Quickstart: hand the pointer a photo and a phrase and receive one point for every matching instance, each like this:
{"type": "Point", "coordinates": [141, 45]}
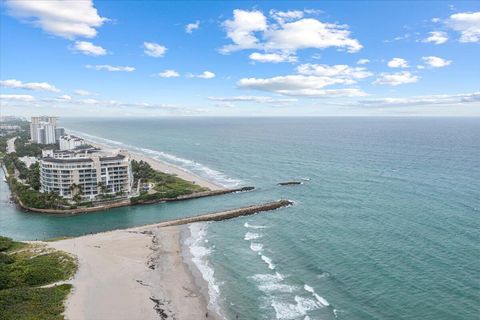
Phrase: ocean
{"type": "Point", "coordinates": [385, 224]}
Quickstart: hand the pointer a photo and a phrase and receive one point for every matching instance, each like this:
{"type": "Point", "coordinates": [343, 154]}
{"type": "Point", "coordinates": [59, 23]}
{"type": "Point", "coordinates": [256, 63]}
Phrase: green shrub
{"type": "Point", "coordinates": [5, 243]}
{"type": "Point", "coordinates": [33, 303]}
{"type": "Point", "coordinates": [5, 258]}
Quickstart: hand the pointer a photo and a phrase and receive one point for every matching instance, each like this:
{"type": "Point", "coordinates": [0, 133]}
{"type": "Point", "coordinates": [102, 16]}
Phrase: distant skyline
{"type": "Point", "coordinates": [328, 58]}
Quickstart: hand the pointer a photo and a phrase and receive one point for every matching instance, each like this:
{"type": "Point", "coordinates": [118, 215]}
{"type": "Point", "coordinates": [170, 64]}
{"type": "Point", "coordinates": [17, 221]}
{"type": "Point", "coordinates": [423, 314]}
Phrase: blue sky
{"type": "Point", "coordinates": [134, 58]}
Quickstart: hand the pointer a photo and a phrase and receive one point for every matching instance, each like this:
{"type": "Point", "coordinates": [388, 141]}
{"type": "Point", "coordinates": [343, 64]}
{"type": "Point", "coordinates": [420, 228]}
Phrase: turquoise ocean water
{"type": "Point", "coordinates": [385, 226]}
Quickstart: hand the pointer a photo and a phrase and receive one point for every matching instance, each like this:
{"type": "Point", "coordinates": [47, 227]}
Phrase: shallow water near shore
{"type": "Point", "coordinates": [384, 226]}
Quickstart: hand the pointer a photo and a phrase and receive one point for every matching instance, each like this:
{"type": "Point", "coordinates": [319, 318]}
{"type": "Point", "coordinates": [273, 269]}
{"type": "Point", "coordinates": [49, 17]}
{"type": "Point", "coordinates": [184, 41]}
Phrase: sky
{"type": "Point", "coordinates": [226, 58]}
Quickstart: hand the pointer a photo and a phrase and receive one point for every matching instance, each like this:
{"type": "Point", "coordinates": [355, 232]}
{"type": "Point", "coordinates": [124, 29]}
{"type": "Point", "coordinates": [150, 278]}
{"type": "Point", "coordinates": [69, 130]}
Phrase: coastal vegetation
{"type": "Point", "coordinates": [165, 186]}
{"type": "Point", "coordinates": [28, 273]}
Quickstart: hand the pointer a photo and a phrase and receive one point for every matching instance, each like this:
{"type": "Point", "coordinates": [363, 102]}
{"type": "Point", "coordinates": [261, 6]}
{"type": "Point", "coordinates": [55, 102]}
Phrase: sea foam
{"type": "Point", "coordinates": [200, 254]}
{"type": "Point", "coordinates": [252, 236]}
{"type": "Point", "coordinates": [320, 299]}
{"type": "Point", "coordinates": [251, 226]}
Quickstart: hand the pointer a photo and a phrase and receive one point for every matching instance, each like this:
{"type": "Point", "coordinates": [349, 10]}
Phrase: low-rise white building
{"type": "Point", "coordinates": [93, 173]}
{"type": "Point", "coordinates": [69, 142]}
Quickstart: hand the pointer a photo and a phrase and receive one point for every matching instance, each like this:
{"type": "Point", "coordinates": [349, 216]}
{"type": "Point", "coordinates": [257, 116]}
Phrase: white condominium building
{"type": "Point", "coordinates": [44, 130]}
{"type": "Point", "coordinates": [69, 142]}
{"type": "Point", "coordinates": [95, 173]}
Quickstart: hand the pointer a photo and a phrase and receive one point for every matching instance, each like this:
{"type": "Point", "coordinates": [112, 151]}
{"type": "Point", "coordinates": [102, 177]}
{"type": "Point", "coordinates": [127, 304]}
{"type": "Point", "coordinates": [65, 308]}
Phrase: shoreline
{"type": "Point", "coordinates": [146, 272]}
{"type": "Point", "coordinates": [162, 166]}
{"type": "Point", "coordinates": [148, 276]}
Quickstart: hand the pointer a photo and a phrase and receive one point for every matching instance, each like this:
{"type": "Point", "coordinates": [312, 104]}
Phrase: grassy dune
{"type": "Point", "coordinates": [28, 273]}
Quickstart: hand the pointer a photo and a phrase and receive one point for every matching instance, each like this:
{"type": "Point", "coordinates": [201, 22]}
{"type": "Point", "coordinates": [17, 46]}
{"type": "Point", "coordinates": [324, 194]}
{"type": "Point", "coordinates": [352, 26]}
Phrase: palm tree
{"type": "Point", "coordinates": [76, 191]}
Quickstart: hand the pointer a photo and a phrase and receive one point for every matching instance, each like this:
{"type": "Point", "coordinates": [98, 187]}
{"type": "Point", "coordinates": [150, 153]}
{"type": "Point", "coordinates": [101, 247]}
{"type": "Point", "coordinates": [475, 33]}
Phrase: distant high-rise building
{"type": "Point", "coordinates": [59, 132]}
{"type": "Point", "coordinates": [44, 130]}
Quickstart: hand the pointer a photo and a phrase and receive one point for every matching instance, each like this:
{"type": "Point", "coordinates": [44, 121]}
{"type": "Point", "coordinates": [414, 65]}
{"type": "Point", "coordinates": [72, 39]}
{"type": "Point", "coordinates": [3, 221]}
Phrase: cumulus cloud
{"type": "Point", "coordinates": [445, 99]}
{"type": "Point", "coordinates": [252, 30]}
{"type": "Point", "coordinates": [300, 85]}
{"type": "Point", "coordinates": [436, 62]}
{"type": "Point", "coordinates": [81, 92]}
{"type": "Point", "coordinates": [203, 75]}
{"type": "Point", "coordinates": [468, 24]}
{"type": "Point", "coordinates": [395, 79]}
{"type": "Point", "coordinates": [272, 57]}
{"type": "Point", "coordinates": [89, 48]}
{"type": "Point", "coordinates": [168, 74]}
{"type": "Point", "coordinates": [256, 99]}
{"type": "Point", "coordinates": [398, 63]}
{"type": "Point", "coordinates": [338, 71]}
{"type": "Point", "coordinates": [192, 26]}
{"type": "Point", "coordinates": [17, 97]}
{"type": "Point", "coordinates": [363, 61]}
{"type": "Point", "coordinates": [241, 30]}
{"type": "Point", "coordinates": [314, 34]}
{"type": "Point", "coordinates": [39, 86]}
{"type": "Point", "coordinates": [110, 68]}
{"type": "Point", "coordinates": [154, 49]}
{"type": "Point", "coordinates": [436, 37]}
{"type": "Point", "coordinates": [67, 19]}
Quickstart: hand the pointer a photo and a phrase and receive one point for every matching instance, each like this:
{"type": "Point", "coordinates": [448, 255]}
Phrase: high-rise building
{"type": "Point", "coordinates": [43, 130]}
{"type": "Point", "coordinates": [59, 132]}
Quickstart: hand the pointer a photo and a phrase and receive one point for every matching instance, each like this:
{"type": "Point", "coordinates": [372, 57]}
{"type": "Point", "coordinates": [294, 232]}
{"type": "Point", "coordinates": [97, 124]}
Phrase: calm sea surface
{"type": "Point", "coordinates": [385, 226]}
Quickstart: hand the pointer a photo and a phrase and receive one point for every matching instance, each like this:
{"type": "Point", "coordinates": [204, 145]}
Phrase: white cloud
{"type": "Point", "coordinates": [436, 62]}
{"type": "Point", "coordinates": [286, 36]}
{"type": "Point", "coordinates": [81, 92]}
{"type": "Point", "coordinates": [168, 74]}
{"type": "Point", "coordinates": [241, 30]}
{"type": "Point", "coordinates": [192, 26]}
{"type": "Point", "coordinates": [203, 75]}
{"type": "Point", "coordinates": [398, 63]}
{"type": "Point", "coordinates": [300, 85]}
{"type": "Point", "coordinates": [67, 19]}
{"type": "Point", "coordinates": [468, 24]}
{"type": "Point", "coordinates": [256, 99]}
{"type": "Point", "coordinates": [363, 61]}
{"type": "Point", "coordinates": [65, 97]}
{"type": "Point", "coordinates": [17, 84]}
{"type": "Point", "coordinates": [445, 99]}
{"type": "Point", "coordinates": [314, 34]}
{"type": "Point", "coordinates": [436, 37]}
{"type": "Point", "coordinates": [395, 79]}
{"type": "Point", "coordinates": [338, 71]}
{"type": "Point", "coordinates": [154, 49]}
{"type": "Point", "coordinates": [272, 57]}
{"type": "Point", "coordinates": [89, 48]}
{"type": "Point", "coordinates": [110, 68]}
{"type": "Point", "coordinates": [282, 16]}
{"type": "Point", "coordinates": [17, 97]}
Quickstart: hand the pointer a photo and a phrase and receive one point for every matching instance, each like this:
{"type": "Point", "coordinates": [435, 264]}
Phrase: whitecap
{"type": "Point", "coordinates": [268, 261]}
{"type": "Point", "coordinates": [277, 287]}
{"type": "Point", "coordinates": [252, 236]}
{"type": "Point", "coordinates": [268, 277]}
{"type": "Point", "coordinates": [256, 246]}
{"type": "Point", "coordinates": [319, 298]}
{"type": "Point", "coordinates": [247, 225]}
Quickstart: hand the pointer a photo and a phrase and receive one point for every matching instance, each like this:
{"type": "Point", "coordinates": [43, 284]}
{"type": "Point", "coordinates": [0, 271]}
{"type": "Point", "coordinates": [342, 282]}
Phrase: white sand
{"type": "Point", "coordinates": [114, 280]}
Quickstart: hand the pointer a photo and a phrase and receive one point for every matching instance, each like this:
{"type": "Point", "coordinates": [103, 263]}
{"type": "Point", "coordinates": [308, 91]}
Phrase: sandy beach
{"type": "Point", "coordinates": [132, 274]}
{"type": "Point", "coordinates": [164, 167]}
